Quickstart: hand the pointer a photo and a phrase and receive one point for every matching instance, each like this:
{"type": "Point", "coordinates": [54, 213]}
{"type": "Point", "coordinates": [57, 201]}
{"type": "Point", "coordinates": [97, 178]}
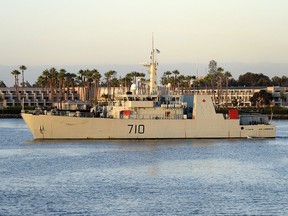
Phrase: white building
{"type": "Point", "coordinates": [31, 96]}
{"type": "Point", "coordinates": [40, 97]}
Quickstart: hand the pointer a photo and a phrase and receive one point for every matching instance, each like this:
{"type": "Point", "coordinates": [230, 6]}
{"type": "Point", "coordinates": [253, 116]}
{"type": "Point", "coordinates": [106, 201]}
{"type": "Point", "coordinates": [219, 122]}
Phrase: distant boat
{"type": "Point", "coordinates": [149, 115]}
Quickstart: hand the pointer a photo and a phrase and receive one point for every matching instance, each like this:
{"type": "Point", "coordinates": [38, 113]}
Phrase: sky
{"type": "Point", "coordinates": [241, 35]}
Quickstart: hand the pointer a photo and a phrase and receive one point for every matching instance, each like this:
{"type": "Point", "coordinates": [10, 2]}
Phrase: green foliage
{"type": "Point", "coordinates": [27, 84]}
{"type": "Point", "coordinates": [2, 84]}
{"type": "Point", "coordinates": [280, 81]}
{"type": "Point", "coordinates": [261, 98]}
{"type": "Point", "coordinates": [16, 109]}
{"type": "Point", "coordinates": [212, 67]}
{"type": "Point", "coordinates": [12, 110]}
{"type": "Point", "coordinates": [253, 79]}
{"type": "Point", "coordinates": [277, 110]}
{"type": "Point", "coordinates": [105, 97]}
{"type": "Point", "coordinates": [177, 80]}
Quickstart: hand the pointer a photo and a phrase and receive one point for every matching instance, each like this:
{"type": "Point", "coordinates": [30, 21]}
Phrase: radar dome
{"type": "Point", "coordinates": [133, 87]}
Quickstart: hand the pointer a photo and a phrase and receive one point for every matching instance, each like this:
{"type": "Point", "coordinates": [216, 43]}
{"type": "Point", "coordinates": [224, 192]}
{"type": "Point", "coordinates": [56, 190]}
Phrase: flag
{"type": "Point", "coordinates": [158, 51]}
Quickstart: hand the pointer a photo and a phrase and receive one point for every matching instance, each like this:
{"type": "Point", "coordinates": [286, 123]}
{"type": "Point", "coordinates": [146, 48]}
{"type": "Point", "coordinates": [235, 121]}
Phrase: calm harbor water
{"type": "Point", "coordinates": [170, 177]}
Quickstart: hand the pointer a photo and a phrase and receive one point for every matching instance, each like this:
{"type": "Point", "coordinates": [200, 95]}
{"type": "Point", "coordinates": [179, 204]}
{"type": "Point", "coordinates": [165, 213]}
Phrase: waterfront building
{"type": "Point", "coordinates": [280, 95]}
{"type": "Point", "coordinates": [236, 96]}
{"type": "Point", "coordinates": [240, 96]}
{"type": "Point", "coordinates": [39, 97]}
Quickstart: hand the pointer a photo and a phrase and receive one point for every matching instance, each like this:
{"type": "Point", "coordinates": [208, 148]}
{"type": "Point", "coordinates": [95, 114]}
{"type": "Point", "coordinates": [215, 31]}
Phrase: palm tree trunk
{"type": "Point", "coordinates": [95, 91]}
{"type": "Point", "coordinates": [213, 93]}
{"type": "Point", "coordinates": [218, 91]}
{"type": "Point", "coordinates": [73, 91]}
{"type": "Point", "coordinates": [60, 93]}
{"type": "Point", "coordinates": [51, 91]}
{"type": "Point", "coordinates": [221, 91]}
{"type": "Point", "coordinates": [22, 92]}
{"type": "Point", "coordinates": [226, 92]}
{"type": "Point", "coordinates": [16, 88]}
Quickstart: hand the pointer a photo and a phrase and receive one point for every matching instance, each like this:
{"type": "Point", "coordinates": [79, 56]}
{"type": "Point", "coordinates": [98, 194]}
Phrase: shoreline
{"type": "Point", "coordinates": [10, 116]}
{"type": "Point", "coordinates": [280, 117]}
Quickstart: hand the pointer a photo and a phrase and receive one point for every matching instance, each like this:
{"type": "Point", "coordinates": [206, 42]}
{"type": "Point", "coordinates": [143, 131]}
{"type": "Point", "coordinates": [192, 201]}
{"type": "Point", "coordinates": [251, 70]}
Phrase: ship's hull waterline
{"type": "Point", "coordinates": [65, 127]}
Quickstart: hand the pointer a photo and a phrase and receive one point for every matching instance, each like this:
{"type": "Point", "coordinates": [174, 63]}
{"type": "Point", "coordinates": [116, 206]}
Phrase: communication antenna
{"type": "Point", "coordinates": [153, 69]}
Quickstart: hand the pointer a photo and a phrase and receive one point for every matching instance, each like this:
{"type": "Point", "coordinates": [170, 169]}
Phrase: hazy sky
{"type": "Point", "coordinates": [92, 32]}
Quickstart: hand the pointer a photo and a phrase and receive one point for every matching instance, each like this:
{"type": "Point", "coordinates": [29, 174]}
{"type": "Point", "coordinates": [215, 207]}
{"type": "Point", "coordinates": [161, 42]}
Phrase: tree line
{"type": "Point", "coordinates": [218, 78]}
{"type": "Point", "coordinates": [61, 83]}
{"type": "Point", "coordinates": [59, 80]}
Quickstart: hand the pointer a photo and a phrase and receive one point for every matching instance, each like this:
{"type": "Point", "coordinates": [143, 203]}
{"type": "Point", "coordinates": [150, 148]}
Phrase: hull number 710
{"type": "Point", "coordinates": [136, 129]}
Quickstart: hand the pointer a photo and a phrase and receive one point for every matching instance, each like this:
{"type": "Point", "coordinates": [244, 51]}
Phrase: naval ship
{"type": "Point", "coordinates": [151, 115]}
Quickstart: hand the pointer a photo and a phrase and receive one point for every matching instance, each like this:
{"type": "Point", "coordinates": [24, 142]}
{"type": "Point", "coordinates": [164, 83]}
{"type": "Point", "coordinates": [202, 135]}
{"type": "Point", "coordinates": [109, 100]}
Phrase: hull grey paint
{"type": "Point", "coordinates": [62, 127]}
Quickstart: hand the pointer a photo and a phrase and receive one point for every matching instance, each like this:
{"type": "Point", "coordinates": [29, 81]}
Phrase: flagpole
{"type": "Point", "coordinates": [153, 50]}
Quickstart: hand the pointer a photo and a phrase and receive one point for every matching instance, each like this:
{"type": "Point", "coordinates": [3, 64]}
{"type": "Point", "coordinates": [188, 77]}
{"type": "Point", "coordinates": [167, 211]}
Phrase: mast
{"type": "Point", "coordinates": [152, 70]}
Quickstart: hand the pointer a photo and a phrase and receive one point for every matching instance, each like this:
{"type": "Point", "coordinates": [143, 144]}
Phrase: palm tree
{"type": "Point", "coordinates": [212, 69]}
{"type": "Point", "coordinates": [108, 76]}
{"type": "Point", "coordinates": [133, 75]}
{"type": "Point", "coordinates": [211, 78]}
{"type": "Point", "coordinates": [167, 74]}
{"type": "Point", "coordinates": [219, 76]}
{"type": "Point", "coordinates": [45, 74]}
{"type": "Point", "coordinates": [188, 78]}
{"type": "Point", "coordinates": [66, 84]}
{"type": "Point", "coordinates": [70, 81]}
{"type": "Point", "coordinates": [96, 76]}
{"type": "Point", "coordinates": [181, 80]}
{"type": "Point", "coordinates": [176, 73]}
{"type": "Point", "coordinates": [125, 82]}
{"type": "Point", "coordinates": [61, 76]}
{"type": "Point", "coordinates": [81, 80]}
{"type": "Point", "coordinates": [114, 83]}
{"type": "Point", "coordinates": [41, 82]}
{"type": "Point", "coordinates": [72, 76]}
{"type": "Point", "coordinates": [165, 79]}
{"type": "Point", "coordinates": [16, 73]}
{"type": "Point", "coordinates": [227, 75]}
{"type": "Point", "coordinates": [52, 79]}
{"type": "Point", "coordinates": [23, 68]}
{"type": "Point", "coordinates": [88, 75]}
{"type": "Point", "coordinates": [204, 82]}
